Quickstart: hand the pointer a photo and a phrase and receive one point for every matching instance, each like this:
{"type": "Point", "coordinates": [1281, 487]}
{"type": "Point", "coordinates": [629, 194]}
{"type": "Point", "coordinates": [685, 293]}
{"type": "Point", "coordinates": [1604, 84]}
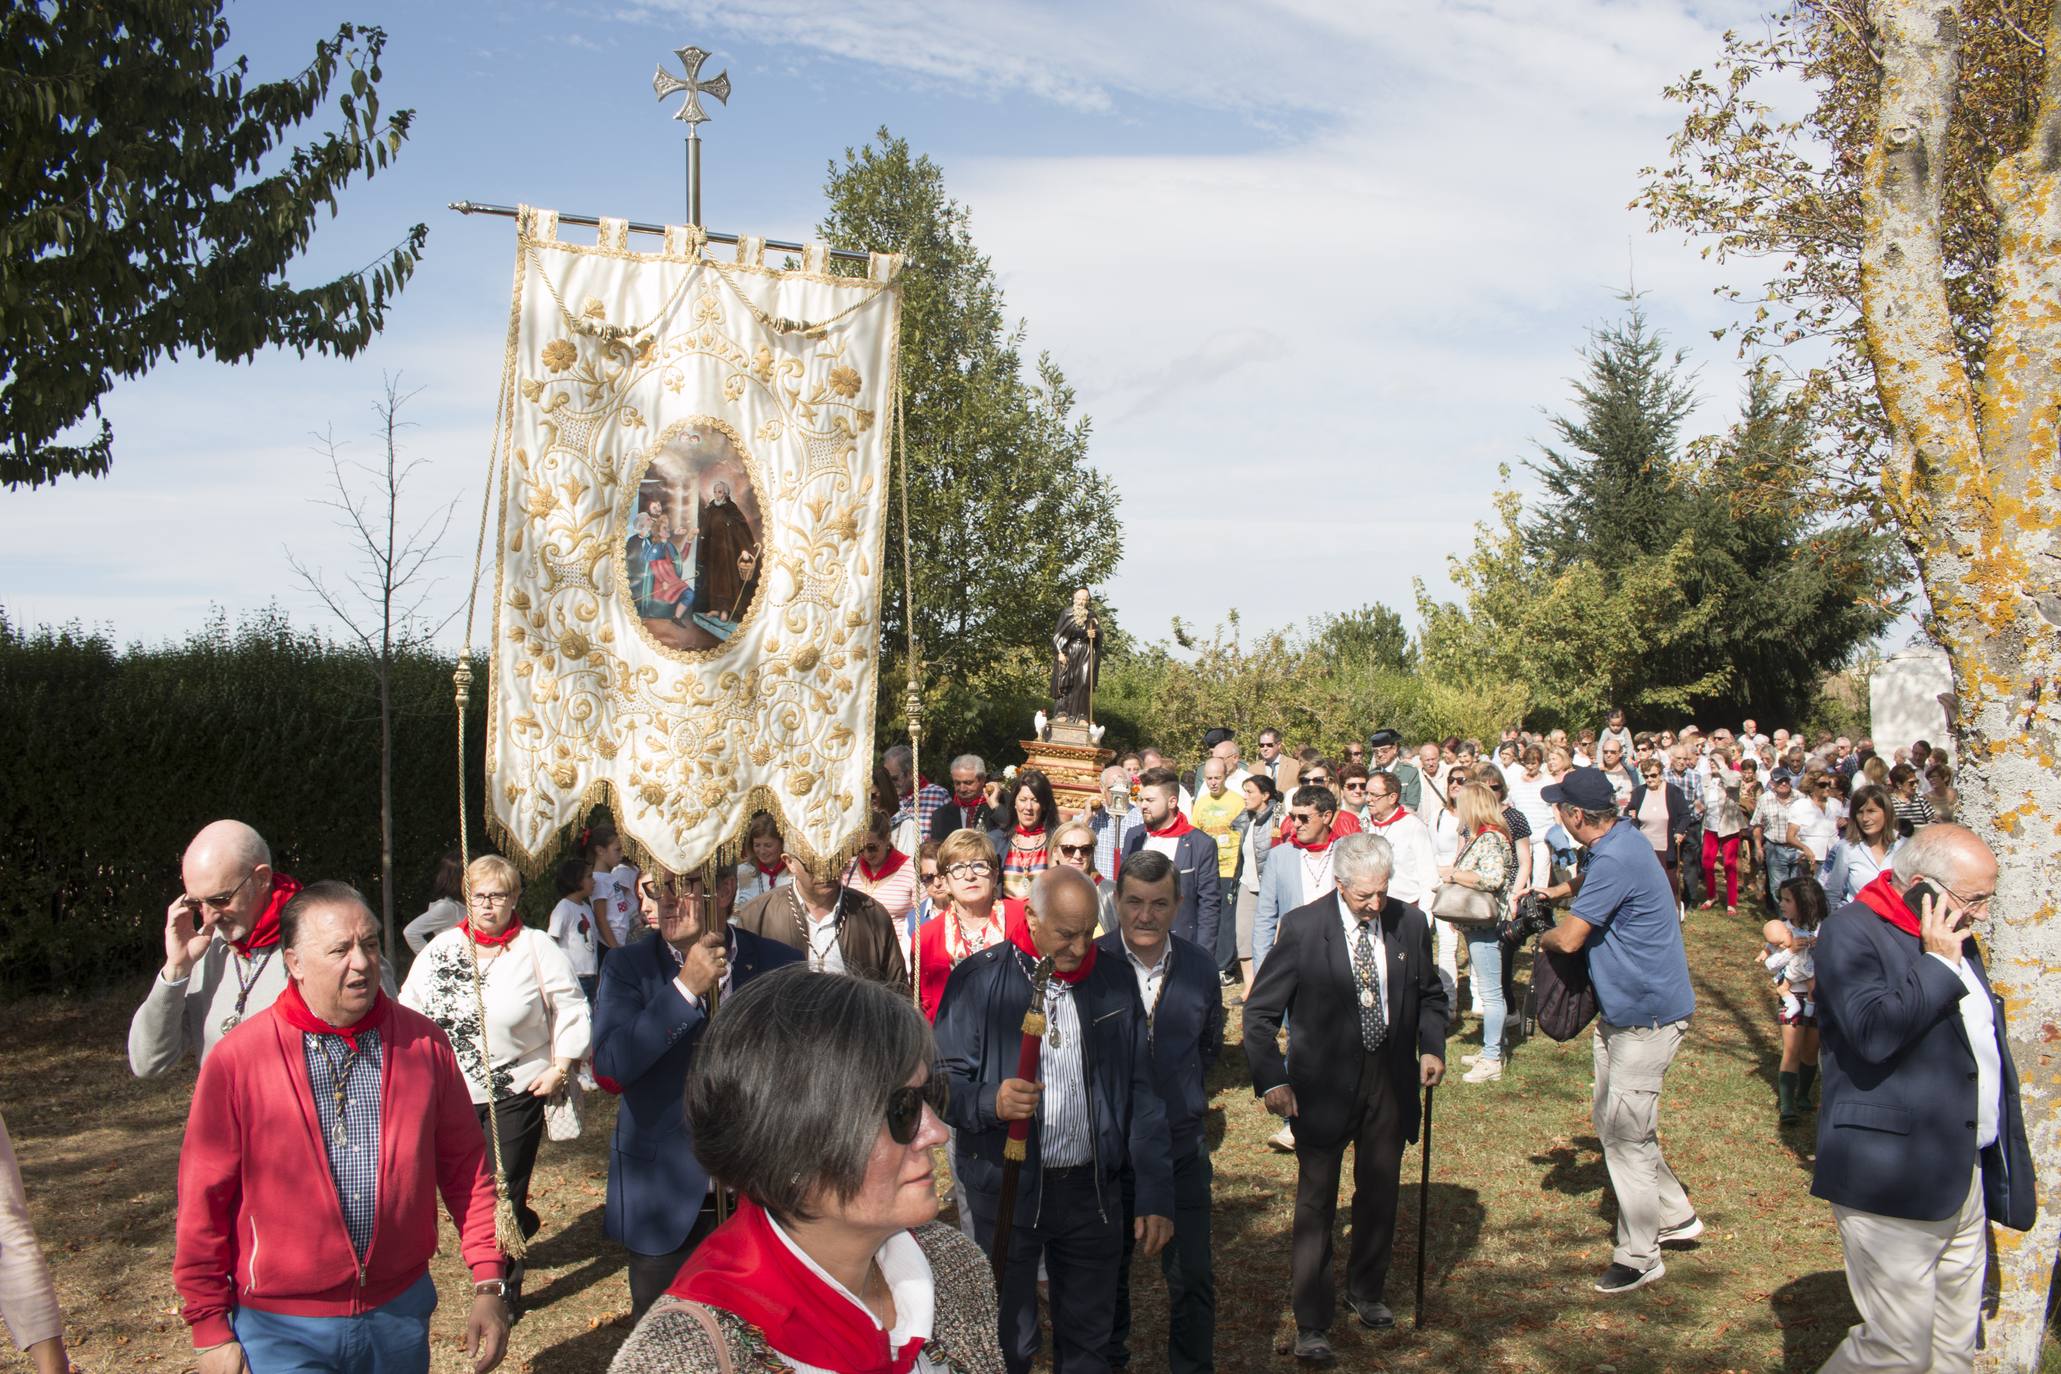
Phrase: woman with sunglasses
{"type": "Point", "coordinates": [1073, 846]}
{"type": "Point", "coordinates": [815, 1099]}
{"type": "Point", "coordinates": [885, 874]}
{"type": "Point", "coordinates": [537, 1028]}
{"type": "Point", "coordinates": [1662, 814]}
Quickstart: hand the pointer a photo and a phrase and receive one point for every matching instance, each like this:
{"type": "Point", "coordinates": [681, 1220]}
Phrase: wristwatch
{"type": "Point", "coordinates": [491, 1288]}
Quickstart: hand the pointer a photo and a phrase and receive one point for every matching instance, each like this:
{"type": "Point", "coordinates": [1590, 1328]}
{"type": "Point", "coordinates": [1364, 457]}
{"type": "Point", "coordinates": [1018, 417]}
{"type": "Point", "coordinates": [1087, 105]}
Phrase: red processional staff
{"type": "Point", "coordinates": [1017, 1146]}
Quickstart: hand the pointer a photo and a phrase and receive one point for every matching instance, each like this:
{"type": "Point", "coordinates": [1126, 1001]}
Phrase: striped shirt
{"type": "Point", "coordinates": [1063, 1135]}
{"type": "Point", "coordinates": [354, 1161]}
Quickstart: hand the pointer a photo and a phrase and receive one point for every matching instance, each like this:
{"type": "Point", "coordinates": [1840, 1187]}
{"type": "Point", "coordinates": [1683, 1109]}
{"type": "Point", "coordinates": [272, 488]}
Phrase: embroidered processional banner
{"type": "Point", "coordinates": [692, 492]}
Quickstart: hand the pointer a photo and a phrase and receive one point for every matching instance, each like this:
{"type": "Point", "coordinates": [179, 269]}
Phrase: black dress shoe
{"type": "Point", "coordinates": [1373, 1314]}
{"type": "Point", "coordinates": [1622, 1278]}
{"type": "Point", "coordinates": [1314, 1347]}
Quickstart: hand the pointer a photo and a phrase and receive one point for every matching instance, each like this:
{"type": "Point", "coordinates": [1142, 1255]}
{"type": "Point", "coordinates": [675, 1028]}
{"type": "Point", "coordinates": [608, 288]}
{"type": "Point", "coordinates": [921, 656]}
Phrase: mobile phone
{"type": "Point", "coordinates": [1917, 892]}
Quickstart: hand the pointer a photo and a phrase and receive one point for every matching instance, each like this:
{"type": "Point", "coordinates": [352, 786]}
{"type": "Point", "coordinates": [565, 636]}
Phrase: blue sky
{"type": "Point", "coordinates": [1316, 269]}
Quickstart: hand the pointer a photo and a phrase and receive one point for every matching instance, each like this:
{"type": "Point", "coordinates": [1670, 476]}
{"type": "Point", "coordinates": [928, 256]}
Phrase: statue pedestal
{"type": "Point", "coordinates": [1072, 763]}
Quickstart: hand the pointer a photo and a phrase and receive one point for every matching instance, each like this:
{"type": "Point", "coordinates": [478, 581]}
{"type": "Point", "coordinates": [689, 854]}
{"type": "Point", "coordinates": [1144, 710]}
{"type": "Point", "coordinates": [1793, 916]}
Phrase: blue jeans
{"type": "Point", "coordinates": [1784, 863]}
{"type": "Point", "coordinates": [392, 1338]}
{"type": "Point", "coordinates": [1485, 952]}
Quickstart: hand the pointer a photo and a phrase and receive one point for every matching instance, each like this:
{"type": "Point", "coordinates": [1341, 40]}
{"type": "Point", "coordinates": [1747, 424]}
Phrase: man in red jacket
{"type": "Point", "coordinates": [323, 1130]}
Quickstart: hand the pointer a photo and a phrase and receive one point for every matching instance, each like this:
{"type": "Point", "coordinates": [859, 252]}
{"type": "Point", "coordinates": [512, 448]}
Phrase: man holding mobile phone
{"type": "Point", "coordinates": [1921, 1141]}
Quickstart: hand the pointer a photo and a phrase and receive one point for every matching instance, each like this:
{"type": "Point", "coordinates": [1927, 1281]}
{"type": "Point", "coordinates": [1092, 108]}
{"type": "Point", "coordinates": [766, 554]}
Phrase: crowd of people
{"type": "Point", "coordinates": [1039, 996]}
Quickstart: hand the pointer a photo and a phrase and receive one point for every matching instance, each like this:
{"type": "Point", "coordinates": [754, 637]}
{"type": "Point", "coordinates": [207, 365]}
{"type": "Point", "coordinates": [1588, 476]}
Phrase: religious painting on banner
{"type": "Point", "coordinates": [693, 471]}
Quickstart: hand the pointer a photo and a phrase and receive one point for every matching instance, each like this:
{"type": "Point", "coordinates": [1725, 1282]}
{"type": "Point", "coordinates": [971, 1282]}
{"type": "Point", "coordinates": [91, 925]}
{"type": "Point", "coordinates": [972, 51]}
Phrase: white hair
{"type": "Point", "coordinates": [1361, 858]}
{"type": "Point", "coordinates": [1932, 851]}
{"type": "Point", "coordinates": [972, 761]}
{"type": "Point", "coordinates": [1113, 775]}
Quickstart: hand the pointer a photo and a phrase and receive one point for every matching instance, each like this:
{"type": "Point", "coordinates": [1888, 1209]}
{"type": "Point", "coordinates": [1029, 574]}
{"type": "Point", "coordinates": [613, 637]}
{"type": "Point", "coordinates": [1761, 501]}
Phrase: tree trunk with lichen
{"type": "Point", "coordinates": [1976, 491]}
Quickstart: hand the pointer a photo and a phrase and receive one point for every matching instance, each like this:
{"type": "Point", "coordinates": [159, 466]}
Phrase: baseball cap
{"type": "Point", "coordinates": [1587, 788]}
{"type": "Point", "coordinates": [1781, 775]}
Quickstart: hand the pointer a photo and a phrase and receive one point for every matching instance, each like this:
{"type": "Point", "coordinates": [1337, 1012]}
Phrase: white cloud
{"type": "Point", "coordinates": [1352, 268]}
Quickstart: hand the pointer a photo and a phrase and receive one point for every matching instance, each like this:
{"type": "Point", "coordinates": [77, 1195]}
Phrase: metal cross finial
{"type": "Point", "coordinates": [665, 84]}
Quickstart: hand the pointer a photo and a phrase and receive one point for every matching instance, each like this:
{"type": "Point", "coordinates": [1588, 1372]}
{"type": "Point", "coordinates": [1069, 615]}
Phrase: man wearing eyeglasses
{"type": "Point", "coordinates": [655, 1001]}
{"type": "Point", "coordinates": [222, 963]}
{"type": "Point", "coordinates": [1921, 1139]}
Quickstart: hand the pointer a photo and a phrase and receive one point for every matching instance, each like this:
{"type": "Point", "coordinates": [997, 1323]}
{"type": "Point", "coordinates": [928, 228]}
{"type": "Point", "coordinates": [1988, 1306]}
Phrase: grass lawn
{"type": "Point", "coordinates": [1520, 1215]}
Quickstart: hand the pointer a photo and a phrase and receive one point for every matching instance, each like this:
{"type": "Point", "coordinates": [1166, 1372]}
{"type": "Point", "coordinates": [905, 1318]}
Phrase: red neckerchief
{"type": "Point", "coordinates": [1026, 834]}
{"type": "Point", "coordinates": [1882, 898]}
{"type": "Point", "coordinates": [264, 933]}
{"type": "Point", "coordinates": [771, 874]}
{"type": "Point", "coordinates": [495, 941]}
{"type": "Point", "coordinates": [895, 859]}
{"type": "Point", "coordinates": [746, 1270]}
{"type": "Point", "coordinates": [1393, 817]}
{"type": "Point", "coordinates": [1288, 836]}
{"type": "Point", "coordinates": [1173, 829]}
{"type": "Point", "coordinates": [1020, 936]}
{"type": "Point", "coordinates": [294, 1008]}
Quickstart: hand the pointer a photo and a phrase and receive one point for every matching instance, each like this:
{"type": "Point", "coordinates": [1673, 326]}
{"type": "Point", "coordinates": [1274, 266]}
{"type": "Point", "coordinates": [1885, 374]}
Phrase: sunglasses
{"type": "Point", "coordinates": [220, 901]}
{"type": "Point", "coordinates": [905, 1107]}
{"type": "Point", "coordinates": [1078, 851]}
{"type": "Point", "coordinates": [932, 875]}
{"type": "Point", "coordinates": [1315, 780]}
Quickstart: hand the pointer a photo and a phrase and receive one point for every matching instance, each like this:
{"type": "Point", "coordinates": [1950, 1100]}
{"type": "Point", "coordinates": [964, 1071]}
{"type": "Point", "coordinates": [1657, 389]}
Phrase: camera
{"type": "Point", "coordinates": [1533, 918]}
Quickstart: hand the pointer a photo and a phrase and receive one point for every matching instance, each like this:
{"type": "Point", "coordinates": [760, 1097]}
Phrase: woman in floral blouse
{"type": "Point", "coordinates": [1489, 862]}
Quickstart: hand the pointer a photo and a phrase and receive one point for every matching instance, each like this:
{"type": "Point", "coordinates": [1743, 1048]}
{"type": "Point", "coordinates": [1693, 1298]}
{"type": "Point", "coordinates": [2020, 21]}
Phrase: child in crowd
{"type": "Point", "coordinates": [1787, 955]}
{"type": "Point", "coordinates": [614, 896]}
{"type": "Point", "coordinates": [579, 932]}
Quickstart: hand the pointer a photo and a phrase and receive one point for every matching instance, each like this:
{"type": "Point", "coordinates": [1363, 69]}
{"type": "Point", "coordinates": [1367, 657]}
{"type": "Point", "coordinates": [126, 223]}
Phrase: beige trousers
{"type": "Point", "coordinates": [1918, 1285]}
{"type": "Point", "coordinates": [1631, 1063]}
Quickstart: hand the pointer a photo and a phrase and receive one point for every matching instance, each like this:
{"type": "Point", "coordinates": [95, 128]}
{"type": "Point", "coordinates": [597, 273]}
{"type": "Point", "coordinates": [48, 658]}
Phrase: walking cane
{"type": "Point", "coordinates": [1017, 1146]}
{"type": "Point", "coordinates": [1423, 1208]}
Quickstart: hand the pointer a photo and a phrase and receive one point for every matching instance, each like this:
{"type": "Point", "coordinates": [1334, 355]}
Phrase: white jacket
{"type": "Point", "coordinates": [1416, 860]}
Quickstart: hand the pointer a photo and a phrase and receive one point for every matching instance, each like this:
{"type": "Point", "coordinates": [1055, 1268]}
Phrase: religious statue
{"type": "Point", "coordinates": [1076, 641]}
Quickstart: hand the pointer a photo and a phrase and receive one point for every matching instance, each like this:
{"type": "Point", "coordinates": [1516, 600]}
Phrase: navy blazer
{"type": "Point", "coordinates": [1186, 1031]}
{"type": "Point", "coordinates": [1896, 1127]}
{"type": "Point", "coordinates": [1195, 864]}
{"type": "Point", "coordinates": [644, 1039]}
{"type": "Point", "coordinates": [979, 1033]}
{"type": "Point", "coordinates": [1308, 981]}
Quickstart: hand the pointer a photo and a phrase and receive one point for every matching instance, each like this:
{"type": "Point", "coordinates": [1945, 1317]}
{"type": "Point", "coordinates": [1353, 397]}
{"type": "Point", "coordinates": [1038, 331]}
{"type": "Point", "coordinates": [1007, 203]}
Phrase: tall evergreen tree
{"type": "Point", "coordinates": [1006, 512]}
{"type": "Point", "coordinates": [1608, 489]}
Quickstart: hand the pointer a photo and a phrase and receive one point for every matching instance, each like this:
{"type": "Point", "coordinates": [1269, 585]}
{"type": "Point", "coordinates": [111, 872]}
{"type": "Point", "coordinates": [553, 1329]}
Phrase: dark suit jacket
{"type": "Point", "coordinates": [979, 1033]}
{"type": "Point", "coordinates": [1195, 864]}
{"type": "Point", "coordinates": [1186, 1032]}
{"type": "Point", "coordinates": [869, 945]}
{"type": "Point", "coordinates": [1896, 1128]}
{"type": "Point", "coordinates": [644, 1038]}
{"type": "Point", "coordinates": [947, 818]}
{"type": "Point", "coordinates": [1309, 974]}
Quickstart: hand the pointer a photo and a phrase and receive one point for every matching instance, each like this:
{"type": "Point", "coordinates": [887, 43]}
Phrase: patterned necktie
{"type": "Point", "coordinates": [1373, 1016]}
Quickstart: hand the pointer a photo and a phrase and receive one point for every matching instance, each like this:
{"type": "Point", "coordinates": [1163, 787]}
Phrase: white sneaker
{"type": "Point", "coordinates": [1468, 1061]}
{"type": "Point", "coordinates": [1283, 1140]}
{"type": "Point", "coordinates": [1484, 1071]}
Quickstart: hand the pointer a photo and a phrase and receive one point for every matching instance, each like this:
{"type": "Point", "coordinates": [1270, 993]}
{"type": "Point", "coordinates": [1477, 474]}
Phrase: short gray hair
{"type": "Point", "coordinates": [1113, 774]}
{"type": "Point", "coordinates": [1361, 858]}
{"type": "Point", "coordinates": [790, 1086]}
{"type": "Point", "coordinates": [898, 756]}
{"type": "Point", "coordinates": [1932, 851]}
{"type": "Point", "coordinates": [972, 761]}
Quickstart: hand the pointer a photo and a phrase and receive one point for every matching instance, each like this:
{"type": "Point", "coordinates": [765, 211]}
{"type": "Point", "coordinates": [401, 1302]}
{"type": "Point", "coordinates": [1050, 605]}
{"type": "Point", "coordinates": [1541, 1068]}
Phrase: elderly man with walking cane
{"type": "Point", "coordinates": [1354, 974]}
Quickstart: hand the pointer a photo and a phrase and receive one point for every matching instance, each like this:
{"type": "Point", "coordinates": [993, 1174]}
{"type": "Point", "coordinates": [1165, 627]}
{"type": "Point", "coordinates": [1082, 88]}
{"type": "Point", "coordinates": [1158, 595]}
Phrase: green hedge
{"type": "Point", "coordinates": [116, 756]}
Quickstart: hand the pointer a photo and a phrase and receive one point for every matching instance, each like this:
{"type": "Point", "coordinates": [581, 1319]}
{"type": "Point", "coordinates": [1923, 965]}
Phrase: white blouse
{"type": "Point", "coordinates": [522, 1036]}
{"type": "Point", "coordinates": [909, 1279]}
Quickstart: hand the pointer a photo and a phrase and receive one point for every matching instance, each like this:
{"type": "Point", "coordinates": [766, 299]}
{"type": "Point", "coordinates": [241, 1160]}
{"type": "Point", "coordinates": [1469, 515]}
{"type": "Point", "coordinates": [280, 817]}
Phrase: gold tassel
{"type": "Point", "coordinates": [1014, 1150]}
{"type": "Point", "coordinates": [1034, 1024]}
{"type": "Point", "coordinates": [507, 1229]}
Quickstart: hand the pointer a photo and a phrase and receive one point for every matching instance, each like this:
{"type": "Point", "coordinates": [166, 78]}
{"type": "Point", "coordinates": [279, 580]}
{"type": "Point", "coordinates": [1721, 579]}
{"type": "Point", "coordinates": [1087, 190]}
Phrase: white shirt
{"type": "Point", "coordinates": [1816, 830]}
{"type": "Point", "coordinates": [752, 883]}
{"type": "Point", "coordinates": [572, 925]}
{"type": "Point", "coordinates": [1163, 844]}
{"type": "Point", "coordinates": [1150, 979]}
{"type": "Point", "coordinates": [1416, 860]}
{"type": "Point", "coordinates": [1524, 795]}
{"type": "Point", "coordinates": [1978, 1020]}
{"type": "Point", "coordinates": [523, 1038]}
{"type": "Point", "coordinates": [1352, 948]}
{"type": "Point", "coordinates": [822, 933]}
{"type": "Point", "coordinates": [909, 1280]}
{"type": "Point", "coordinates": [615, 901]}
{"type": "Point", "coordinates": [1063, 1135]}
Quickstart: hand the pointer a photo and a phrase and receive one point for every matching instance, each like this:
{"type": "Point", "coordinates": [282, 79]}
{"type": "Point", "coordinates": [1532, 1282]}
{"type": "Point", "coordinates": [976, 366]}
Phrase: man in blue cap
{"type": "Point", "coordinates": [1624, 918]}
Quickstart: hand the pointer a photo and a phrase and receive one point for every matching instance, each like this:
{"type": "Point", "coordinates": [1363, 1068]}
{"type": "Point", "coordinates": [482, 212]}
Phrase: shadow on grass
{"type": "Point", "coordinates": [1574, 1169]}
{"type": "Point", "coordinates": [1813, 1312]}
